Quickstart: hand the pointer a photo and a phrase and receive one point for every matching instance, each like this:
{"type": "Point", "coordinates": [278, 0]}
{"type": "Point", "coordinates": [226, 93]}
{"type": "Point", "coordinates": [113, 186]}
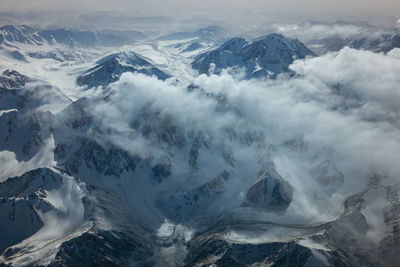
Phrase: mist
{"type": "Point", "coordinates": [350, 118]}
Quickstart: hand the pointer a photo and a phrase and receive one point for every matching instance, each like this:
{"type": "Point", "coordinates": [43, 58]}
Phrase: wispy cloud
{"type": "Point", "coordinates": [342, 106]}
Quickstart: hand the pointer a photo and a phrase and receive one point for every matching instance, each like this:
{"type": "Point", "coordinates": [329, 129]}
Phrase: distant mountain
{"type": "Point", "coordinates": [21, 34]}
{"type": "Point", "coordinates": [119, 37]}
{"type": "Point", "coordinates": [70, 37]}
{"type": "Point", "coordinates": [382, 43]}
{"type": "Point", "coordinates": [212, 33]}
{"type": "Point", "coordinates": [10, 34]}
{"type": "Point", "coordinates": [110, 68]}
{"type": "Point", "coordinates": [90, 38]}
{"type": "Point", "coordinates": [56, 54]}
{"type": "Point", "coordinates": [265, 57]}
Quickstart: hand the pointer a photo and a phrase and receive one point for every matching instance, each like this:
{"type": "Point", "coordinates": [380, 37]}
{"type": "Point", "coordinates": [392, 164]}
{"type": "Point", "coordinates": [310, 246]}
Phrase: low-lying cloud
{"type": "Point", "coordinates": [314, 30]}
{"type": "Point", "coordinates": [10, 166]}
{"type": "Point", "coordinates": [341, 106]}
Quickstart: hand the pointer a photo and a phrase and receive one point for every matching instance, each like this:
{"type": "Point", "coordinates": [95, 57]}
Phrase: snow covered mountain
{"type": "Point", "coordinates": [28, 35]}
{"type": "Point", "coordinates": [110, 68]}
{"type": "Point", "coordinates": [322, 38]}
{"type": "Point", "coordinates": [383, 43]}
{"type": "Point", "coordinates": [20, 34]}
{"type": "Point", "coordinates": [265, 57]}
{"type": "Point", "coordinates": [299, 170]}
{"type": "Point", "coordinates": [325, 37]}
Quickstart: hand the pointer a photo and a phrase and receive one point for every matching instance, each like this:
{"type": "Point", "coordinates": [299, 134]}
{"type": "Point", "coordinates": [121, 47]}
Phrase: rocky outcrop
{"type": "Point", "coordinates": [270, 192]}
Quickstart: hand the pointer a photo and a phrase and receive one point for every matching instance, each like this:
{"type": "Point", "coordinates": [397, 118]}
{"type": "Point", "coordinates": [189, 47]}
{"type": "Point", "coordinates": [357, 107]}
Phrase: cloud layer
{"type": "Point", "coordinates": [339, 107]}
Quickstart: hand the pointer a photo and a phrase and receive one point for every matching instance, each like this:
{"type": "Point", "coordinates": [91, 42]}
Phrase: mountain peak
{"type": "Point", "coordinates": [110, 68]}
{"type": "Point", "coordinates": [265, 57]}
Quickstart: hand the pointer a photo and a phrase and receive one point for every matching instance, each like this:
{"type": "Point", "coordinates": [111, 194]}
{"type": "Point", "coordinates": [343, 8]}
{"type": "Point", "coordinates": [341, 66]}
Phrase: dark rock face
{"type": "Point", "coordinates": [20, 198]}
{"type": "Point", "coordinates": [91, 151]}
{"type": "Point", "coordinates": [109, 161]}
{"type": "Point", "coordinates": [182, 206]}
{"type": "Point", "coordinates": [12, 79]}
{"type": "Point", "coordinates": [161, 171]}
{"type": "Point", "coordinates": [110, 68]}
{"type": "Point", "coordinates": [102, 248]}
{"type": "Point", "coordinates": [19, 220]}
{"type": "Point", "coordinates": [217, 252]}
{"type": "Point", "coordinates": [24, 133]}
{"type": "Point", "coordinates": [30, 182]}
{"type": "Point", "coordinates": [270, 192]}
{"type": "Point", "coordinates": [262, 58]}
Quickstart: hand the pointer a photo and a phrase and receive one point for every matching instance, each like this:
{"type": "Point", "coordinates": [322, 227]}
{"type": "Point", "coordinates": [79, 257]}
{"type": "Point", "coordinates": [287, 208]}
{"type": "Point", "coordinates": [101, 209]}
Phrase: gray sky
{"type": "Point", "coordinates": [373, 7]}
{"type": "Point", "coordinates": [234, 15]}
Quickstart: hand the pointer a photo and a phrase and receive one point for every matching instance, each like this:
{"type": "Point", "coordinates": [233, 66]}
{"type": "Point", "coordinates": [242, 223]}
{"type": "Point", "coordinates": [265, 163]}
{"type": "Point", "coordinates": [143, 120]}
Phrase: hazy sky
{"type": "Point", "coordinates": [373, 7]}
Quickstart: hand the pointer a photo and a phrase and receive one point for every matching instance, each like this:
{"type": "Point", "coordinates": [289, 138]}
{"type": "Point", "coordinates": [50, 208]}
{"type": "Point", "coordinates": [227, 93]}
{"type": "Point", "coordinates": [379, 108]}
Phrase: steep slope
{"type": "Point", "coordinates": [22, 200]}
{"type": "Point", "coordinates": [265, 57]}
{"type": "Point", "coordinates": [54, 219]}
{"type": "Point", "coordinates": [19, 92]}
{"type": "Point", "coordinates": [270, 192]}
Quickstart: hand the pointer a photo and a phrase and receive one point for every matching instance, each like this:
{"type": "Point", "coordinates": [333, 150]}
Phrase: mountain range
{"type": "Point", "coordinates": [10, 34]}
{"type": "Point", "coordinates": [157, 169]}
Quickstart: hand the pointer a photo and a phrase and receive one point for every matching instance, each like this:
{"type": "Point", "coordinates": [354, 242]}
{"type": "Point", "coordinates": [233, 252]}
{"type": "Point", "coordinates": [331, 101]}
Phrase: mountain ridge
{"type": "Point", "coordinates": [264, 57]}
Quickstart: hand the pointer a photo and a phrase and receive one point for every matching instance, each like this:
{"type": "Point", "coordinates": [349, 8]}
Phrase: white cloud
{"type": "Point", "coordinates": [310, 30]}
{"type": "Point", "coordinates": [10, 166]}
{"type": "Point", "coordinates": [343, 105]}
